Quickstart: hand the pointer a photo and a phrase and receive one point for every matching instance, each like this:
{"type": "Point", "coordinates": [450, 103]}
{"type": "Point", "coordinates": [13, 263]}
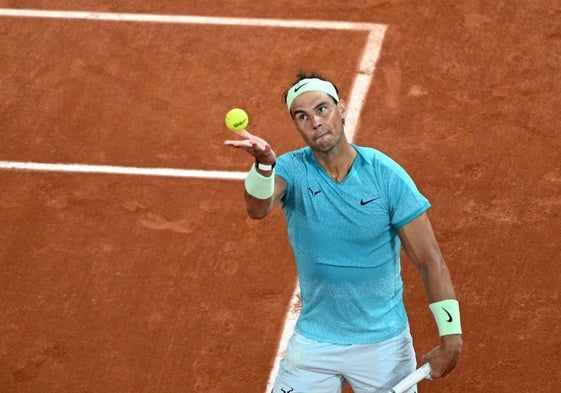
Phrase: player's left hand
{"type": "Point", "coordinates": [443, 359]}
{"type": "Point", "coordinates": [253, 145]}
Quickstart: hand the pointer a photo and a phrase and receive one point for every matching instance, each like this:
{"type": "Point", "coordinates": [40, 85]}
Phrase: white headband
{"type": "Point", "coordinates": [310, 84]}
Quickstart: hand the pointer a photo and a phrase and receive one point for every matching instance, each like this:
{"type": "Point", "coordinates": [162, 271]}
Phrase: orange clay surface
{"type": "Point", "coordinates": [124, 283]}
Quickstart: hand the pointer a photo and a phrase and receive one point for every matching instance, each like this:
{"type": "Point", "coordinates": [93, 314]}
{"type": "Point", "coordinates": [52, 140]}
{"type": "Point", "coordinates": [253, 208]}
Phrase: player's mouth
{"type": "Point", "coordinates": [321, 135]}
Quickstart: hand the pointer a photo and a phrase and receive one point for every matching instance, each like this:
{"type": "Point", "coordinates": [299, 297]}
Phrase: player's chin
{"type": "Point", "coordinates": [323, 146]}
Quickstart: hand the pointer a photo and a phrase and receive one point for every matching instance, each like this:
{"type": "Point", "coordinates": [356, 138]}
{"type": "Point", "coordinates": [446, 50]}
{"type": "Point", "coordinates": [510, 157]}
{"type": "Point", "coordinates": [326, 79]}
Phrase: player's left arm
{"type": "Point", "coordinates": [259, 206]}
{"type": "Point", "coordinates": [421, 246]}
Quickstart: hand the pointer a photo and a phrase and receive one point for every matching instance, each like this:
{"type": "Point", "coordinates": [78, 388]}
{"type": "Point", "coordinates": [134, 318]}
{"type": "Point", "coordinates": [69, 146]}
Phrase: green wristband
{"type": "Point", "coordinates": [259, 186]}
{"type": "Point", "coordinates": [447, 316]}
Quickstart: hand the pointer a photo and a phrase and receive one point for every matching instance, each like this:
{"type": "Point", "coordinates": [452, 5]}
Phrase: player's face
{"type": "Point", "coordinates": [319, 120]}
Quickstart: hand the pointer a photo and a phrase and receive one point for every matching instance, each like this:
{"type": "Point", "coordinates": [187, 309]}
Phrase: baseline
{"type": "Point", "coordinates": [194, 19]}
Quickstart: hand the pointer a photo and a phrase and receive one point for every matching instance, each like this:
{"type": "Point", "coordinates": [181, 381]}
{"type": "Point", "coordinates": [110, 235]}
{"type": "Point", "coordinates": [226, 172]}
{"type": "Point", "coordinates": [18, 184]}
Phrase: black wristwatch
{"type": "Point", "coordinates": [265, 167]}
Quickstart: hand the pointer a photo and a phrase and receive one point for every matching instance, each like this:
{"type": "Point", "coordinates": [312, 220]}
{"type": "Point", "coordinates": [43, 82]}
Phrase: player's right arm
{"type": "Point", "coordinates": [421, 246]}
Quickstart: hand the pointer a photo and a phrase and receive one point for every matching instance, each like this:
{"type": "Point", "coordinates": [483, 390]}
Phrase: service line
{"type": "Point", "coordinates": [121, 170]}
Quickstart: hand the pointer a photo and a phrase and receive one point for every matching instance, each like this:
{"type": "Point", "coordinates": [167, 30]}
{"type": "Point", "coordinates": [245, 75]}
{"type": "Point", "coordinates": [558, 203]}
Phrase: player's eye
{"type": "Point", "coordinates": [322, 110]}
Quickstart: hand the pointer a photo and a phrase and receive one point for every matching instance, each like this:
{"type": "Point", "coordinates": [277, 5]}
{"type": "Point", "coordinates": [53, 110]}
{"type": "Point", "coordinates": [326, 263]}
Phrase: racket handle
{"type": "Point", "coordinates": [410, 380]}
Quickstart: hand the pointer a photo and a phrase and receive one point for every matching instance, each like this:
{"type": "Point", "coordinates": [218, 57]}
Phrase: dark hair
{"type": "Point", "coordinates": [304, 75]}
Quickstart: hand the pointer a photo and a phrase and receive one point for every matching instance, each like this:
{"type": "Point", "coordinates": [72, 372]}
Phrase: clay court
{"type": "Point", "coordinates": [116, 276]}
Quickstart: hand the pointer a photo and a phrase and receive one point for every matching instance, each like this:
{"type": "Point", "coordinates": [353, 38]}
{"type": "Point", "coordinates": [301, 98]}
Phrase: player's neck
{"type": "Point", "coordinates": [338, 161]}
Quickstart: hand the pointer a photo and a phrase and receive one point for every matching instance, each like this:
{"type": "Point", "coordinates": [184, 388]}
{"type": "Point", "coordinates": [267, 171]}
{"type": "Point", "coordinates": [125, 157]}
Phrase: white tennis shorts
{"type": "Point", "coordinates": [314, 367]}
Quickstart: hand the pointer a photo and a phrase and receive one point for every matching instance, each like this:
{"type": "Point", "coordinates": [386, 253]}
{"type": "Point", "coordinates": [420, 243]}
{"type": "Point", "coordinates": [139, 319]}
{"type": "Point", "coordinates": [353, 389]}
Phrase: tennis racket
{"type": "Point", "coordinates": [412, 379]}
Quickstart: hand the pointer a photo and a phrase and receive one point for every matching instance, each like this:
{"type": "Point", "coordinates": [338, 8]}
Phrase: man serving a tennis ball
{"type": "Point", "coordinates": [349, 210]}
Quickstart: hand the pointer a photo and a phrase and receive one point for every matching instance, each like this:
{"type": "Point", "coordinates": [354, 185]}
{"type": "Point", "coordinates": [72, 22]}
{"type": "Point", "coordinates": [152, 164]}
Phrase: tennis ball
{"type": "Point", "coordinates": [236, 119]}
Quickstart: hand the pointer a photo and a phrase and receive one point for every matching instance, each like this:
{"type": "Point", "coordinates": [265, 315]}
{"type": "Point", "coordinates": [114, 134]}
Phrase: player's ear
{"type": "Point", "coordinates": [342, 108]}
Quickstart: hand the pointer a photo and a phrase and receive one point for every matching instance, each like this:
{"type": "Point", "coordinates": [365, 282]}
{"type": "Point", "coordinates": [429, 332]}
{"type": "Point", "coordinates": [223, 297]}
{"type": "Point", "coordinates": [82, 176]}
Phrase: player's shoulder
{"type": "Point", "coordinates": [294, 156]}
{"type": "Point", "coordinates": [292, 164]}
{"type": "Point", "coordinates": [374, 157]}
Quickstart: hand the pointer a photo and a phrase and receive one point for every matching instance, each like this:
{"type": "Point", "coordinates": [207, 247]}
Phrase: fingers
{"type": "Point", "coordinates": [253, 145]}
{"type": "Point", "coordinates": [246, 142]}
{"type": "Point", "coordinates": [442, 363]}
{"type": "Point", "coordinates": [238, 143]}
{"type": "Point", "coordinates": [244, 134]}
{"type": "Point", "coordinates": [250, 141]}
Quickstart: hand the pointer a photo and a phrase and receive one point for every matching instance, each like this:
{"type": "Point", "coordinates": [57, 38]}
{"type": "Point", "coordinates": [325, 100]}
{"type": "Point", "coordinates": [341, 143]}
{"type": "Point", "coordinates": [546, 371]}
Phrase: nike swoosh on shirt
{"type": "Point", "coordinates": [363, 202]}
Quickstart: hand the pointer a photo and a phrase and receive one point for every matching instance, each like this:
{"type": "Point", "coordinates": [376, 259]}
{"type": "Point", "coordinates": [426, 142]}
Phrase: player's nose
{"type": "Point", "coordinates": [315, 122]}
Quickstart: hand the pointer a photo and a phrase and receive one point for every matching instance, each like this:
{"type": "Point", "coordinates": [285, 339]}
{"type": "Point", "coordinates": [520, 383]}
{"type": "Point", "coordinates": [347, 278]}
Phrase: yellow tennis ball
{"type": "Point", "coordinates": [236, 119]}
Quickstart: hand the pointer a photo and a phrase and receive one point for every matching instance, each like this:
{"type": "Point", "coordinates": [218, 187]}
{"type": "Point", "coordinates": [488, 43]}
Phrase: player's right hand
{"type": "Point", "coordinates": [443, 359]}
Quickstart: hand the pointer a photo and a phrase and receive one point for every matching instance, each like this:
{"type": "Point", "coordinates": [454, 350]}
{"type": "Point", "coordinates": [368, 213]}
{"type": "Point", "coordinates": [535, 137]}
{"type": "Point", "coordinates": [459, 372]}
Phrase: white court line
{"type": "Point", "coordinates": [121, 170]}
{"type": "Point", "coordinates": [362, 82]}
{"type": "Point", "coordinates": [357, 97]}
{"type": "Point", "coordinates": [193, 19]}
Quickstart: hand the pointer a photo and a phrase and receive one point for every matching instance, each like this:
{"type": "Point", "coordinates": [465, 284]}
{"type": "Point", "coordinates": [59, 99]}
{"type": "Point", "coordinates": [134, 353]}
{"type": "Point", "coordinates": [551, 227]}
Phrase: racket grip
{"type": "Point", "coordinates": [410, 380]}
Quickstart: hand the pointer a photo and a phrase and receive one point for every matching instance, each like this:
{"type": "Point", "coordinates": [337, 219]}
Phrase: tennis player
{"type": "Point", "coordinates": [349, 210]}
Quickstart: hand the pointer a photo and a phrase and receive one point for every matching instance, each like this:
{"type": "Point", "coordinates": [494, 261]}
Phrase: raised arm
{"type": "Point", "coordinates": [420, 245]}
{"type": "Point", "coordinates": [263, 190]}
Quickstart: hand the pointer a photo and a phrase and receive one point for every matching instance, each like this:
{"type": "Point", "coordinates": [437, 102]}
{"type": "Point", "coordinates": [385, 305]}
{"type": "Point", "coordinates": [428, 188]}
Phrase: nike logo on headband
{"type": "Point", "coordinates": [301, 86]}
